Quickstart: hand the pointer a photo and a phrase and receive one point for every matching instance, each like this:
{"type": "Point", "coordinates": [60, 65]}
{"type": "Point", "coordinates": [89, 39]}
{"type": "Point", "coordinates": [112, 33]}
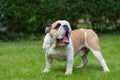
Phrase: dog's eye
{"type": "Point", "coordinates": [57, 26]}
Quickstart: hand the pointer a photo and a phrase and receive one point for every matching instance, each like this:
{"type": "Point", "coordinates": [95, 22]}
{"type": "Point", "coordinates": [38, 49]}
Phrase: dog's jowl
{"type": "Point", "coordinates": [62, 43]}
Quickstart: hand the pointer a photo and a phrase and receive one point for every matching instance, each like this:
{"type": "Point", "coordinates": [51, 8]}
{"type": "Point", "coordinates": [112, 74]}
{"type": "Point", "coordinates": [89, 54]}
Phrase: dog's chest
{"type": "Point", "coordinates": [57, 53]}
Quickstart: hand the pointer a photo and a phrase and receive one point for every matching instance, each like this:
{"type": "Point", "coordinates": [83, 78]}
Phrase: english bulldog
{"type": "Point", "coordinates": [62, 43]}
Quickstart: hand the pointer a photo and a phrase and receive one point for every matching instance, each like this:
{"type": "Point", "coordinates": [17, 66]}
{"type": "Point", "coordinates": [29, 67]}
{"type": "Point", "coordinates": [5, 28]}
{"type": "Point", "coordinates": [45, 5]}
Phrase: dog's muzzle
{"type": "Point", "coordinates": [62, 36]}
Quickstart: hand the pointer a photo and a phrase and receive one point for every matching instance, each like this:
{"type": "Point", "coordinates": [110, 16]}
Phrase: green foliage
{"type": "Point", "coordinates": [26, 18]}
{"type": "Point", "coordinates": [103, 13]}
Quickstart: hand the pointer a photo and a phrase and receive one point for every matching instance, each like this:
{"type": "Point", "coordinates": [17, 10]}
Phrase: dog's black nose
{"type": "Point", "coordinates": [66, 27]}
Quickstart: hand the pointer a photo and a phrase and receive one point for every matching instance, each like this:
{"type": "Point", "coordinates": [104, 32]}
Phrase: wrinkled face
{"type": "Point", "coordinates": [60, 30]}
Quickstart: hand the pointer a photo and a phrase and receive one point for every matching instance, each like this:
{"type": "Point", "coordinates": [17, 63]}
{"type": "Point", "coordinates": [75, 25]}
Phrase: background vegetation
{"type": "Point", "coordinates": [28, 18]}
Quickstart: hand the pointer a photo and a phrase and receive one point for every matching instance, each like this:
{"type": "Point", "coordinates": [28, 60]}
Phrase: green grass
{"type": "Point", "coordinates": [25, 61]}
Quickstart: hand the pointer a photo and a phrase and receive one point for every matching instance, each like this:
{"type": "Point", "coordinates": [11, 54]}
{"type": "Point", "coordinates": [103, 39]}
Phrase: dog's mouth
{"type": "Point", "coordinates": [64, 41]}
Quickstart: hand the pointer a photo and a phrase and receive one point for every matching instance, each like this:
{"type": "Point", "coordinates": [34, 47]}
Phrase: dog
{"type": "Point", "coordinates": [63, 43]}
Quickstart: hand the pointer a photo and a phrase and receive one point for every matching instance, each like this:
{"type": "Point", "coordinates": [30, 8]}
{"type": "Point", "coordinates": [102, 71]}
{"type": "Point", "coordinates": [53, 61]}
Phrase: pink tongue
{"type": "Point", "coordinates": [65, 39]}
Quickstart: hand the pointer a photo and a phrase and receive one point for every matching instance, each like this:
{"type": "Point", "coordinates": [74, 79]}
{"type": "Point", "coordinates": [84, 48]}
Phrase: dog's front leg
{"type": "Point", "coordinates": [48, 63]}
{"type": "Point", "coordinates": [69, 64]}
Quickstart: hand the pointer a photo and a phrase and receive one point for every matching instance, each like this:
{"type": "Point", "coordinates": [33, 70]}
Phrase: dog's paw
{"type": "Point", "coordinates": [81, 66]}
{"type": "Point", "coordinates": [68, 72]}
{"type": "Point", "coordinates": [46, 70]}
{"type": "Point", "coordinates": [107, 70]}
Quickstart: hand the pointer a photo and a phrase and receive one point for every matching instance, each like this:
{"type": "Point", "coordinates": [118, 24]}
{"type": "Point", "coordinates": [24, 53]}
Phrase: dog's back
{"type": "Point", "coordinates": [84, 38]}
{"type": "Point", "coordinates": [78, 39]}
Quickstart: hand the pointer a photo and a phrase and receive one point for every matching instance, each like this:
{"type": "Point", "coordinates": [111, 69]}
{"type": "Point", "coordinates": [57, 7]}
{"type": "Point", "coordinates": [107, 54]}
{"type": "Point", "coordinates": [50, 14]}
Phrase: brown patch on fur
{"type": "Point", "coordinates": [77, 37]}
{"type": "Point", "coordinates": [92, 40]}
{"type": "Point", "coordinates": [53, 25]}
{"type": "Point", "coordinates": [53, 30]}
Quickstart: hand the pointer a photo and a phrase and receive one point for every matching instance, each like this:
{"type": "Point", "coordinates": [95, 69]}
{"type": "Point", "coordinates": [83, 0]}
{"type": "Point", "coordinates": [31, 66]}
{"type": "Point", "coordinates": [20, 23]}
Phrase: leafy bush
{"type": "Point", "coordinates": [26, 18]}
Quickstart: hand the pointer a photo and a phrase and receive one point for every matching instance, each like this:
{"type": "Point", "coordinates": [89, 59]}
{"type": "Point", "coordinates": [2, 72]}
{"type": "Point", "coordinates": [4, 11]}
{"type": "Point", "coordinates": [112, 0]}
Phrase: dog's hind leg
{"type": "Point", "coordinates": [92, 42]}
{"type": "Point", "coordinates": [98, 55]}
{"type": "Point", "coordinates": [101, 60]}
{"type": "Point", "coordinates": [83, 53]}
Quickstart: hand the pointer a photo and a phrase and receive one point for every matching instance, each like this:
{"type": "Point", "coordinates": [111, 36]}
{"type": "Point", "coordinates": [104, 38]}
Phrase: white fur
{"type": "Point", "coordinates": [61, 53]}
{"type": "Point", "coordinates": [82, 29]}
{"type": "Point", "coordinates": [101, 60]}
{"type": "Point", "coordinates": [67, 53]}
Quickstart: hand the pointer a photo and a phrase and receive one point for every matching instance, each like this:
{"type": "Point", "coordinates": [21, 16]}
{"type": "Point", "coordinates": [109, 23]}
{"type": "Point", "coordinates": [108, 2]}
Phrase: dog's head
{"type": "Point", "coordinates": [60, 31]}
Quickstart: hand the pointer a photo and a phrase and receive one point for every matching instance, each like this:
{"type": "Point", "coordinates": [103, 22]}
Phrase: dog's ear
{"type": "Point", "coordinates": [47, 29]}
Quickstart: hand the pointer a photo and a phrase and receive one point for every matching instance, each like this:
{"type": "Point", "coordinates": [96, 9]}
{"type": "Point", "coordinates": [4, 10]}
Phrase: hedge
{"type": "Point", "coordinates": [28, 18]}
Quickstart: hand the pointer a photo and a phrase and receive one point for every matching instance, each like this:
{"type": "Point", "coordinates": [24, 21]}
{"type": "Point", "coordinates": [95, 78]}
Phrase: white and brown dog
{"type": "Point", "coordinates": [62, 43]}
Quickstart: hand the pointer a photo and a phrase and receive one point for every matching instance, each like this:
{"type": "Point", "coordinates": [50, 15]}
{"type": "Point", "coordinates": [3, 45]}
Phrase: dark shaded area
{"type": "Point", "coordinates": [21, 19]}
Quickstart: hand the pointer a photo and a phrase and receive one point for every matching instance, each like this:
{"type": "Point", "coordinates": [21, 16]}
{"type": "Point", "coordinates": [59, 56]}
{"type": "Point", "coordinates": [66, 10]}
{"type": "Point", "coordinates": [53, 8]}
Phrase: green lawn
{"type": "Point", "coordinates": [25, 61]}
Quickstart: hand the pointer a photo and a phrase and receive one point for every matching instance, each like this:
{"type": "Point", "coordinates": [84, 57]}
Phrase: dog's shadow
{"type": "Point", "coordinates": [91, 68]}
{"type": "Point", "coordinates": [59, 67]}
